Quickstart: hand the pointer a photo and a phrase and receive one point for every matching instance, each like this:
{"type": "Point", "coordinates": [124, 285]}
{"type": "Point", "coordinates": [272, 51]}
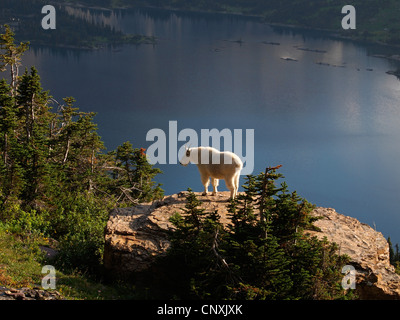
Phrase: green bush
{"type": "Point", "coordinates": [55, 179]}
{"type": "Point", "coordinates": [264, 253]}
{"type": "Point", "coordinates": [79, 227]}
{"type": "Point", "coordinates": [26, 222]}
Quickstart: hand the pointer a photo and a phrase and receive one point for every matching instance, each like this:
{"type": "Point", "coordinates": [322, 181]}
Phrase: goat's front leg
{"type": "Point", "coordinates": [205, 180]}
{"type": "Point", "coordinates": [214, 183]}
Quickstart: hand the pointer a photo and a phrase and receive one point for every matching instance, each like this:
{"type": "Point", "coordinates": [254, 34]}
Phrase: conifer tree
{"type": "Point", "coordinates": [133, 175]}
{"type": "Point", "coordinates": [10, 173]}
{"type": "Point", "coordinates": [52, 165]}
{"type": "Point", "coordinates": [10, 56]}
{"type": "Point", "coordinates": [34, 117]}
{"type": "Point", "coordinates": [196, 248]}
{"type": "Point", "coordinates": [264, 253]}
{"type": "Point", "coordinates": [7, 118]}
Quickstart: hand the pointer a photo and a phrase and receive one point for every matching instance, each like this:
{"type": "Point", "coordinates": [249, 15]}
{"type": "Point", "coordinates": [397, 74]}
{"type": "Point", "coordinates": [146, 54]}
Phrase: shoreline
{"type": "Point", "coordinates": [144, 40]}
{"type": "Point", "coordinates": [330, 32]}
{"type": "Point", "coordinates": [334, 34]}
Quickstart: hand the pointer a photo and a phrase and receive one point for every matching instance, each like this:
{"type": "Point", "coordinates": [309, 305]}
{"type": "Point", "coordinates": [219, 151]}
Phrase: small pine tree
{"type": "Point", "coordinates": [11, 55]}
{"type": "Point", "coordinates": [34, 117]}
{"type": "Point", "coordinates": [195, 251]}
{"type": "Point", "coordinates": [391, 251]}
{"type": "Point", "coordinates": [10, 172]}
{"type": "Point", "coordinates": [263, 253]}
{"type": "Point", "coordinates": [133, 176]}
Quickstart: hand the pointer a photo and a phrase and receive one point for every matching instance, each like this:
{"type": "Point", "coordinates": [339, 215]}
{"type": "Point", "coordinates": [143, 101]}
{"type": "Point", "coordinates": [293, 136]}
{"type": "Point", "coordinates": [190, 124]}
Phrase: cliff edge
{"type": "Point", "coordinates": [135, 236]}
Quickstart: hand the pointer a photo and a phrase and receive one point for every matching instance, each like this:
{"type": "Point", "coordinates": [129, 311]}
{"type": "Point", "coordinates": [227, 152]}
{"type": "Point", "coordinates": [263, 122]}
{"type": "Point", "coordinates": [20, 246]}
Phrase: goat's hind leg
{"type": "Point", "coordinates": [230, 184]}
{"type": "Point", "coordinates": [236, 184]}
{"type": "Point", "coordinates": [233, 185]}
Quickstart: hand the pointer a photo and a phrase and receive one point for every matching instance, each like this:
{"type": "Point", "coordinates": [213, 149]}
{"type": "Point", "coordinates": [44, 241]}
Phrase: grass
{"type": "Point", "coordinates": [19, 265]}
{"type": "Point", "coordinates": [21, 262]}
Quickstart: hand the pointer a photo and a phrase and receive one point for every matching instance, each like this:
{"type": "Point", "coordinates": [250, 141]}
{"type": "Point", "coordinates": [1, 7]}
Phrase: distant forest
{"type": "Point", "coordinates": [377, 20]}
{"type": "Point", "coordinates": [24, 16]}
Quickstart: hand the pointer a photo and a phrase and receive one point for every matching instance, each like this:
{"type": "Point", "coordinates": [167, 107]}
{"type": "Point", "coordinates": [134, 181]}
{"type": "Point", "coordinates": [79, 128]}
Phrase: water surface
{"type": "Point", "coordinates": [330, 118]}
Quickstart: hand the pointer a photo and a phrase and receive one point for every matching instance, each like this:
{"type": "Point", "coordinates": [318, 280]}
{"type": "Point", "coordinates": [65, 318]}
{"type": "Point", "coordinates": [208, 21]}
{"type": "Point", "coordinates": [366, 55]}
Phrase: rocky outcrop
{"type": "Point", "coordinates": [136, 236]}
{"type": "Point", "coordinates": [368, 250]}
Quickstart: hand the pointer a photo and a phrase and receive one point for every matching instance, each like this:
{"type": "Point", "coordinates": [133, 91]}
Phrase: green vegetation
{"type": "Point", "coordinates": [394, 255]}
{"type": "Point", "coordinates": [57, 186]}
{"type": "Point", "coordinates": [263, 253]}
{"type": "Point", "coordinates": [21, 262]}
{"type": "Point", "coordinates": [55, 179]}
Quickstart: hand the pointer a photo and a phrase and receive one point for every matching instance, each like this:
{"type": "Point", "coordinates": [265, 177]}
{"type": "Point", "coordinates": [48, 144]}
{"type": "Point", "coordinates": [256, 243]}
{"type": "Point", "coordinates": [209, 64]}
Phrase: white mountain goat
{"type": "Point", "coordinates": [215, 165]}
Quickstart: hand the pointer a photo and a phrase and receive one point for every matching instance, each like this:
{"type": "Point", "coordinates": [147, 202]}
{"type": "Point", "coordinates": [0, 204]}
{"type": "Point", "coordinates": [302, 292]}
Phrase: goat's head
{"type": "Point", "coordinates": [186, 157]}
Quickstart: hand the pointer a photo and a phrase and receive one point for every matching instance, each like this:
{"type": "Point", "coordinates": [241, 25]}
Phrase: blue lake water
{"type": "Point", "coordinates": [331, 118]}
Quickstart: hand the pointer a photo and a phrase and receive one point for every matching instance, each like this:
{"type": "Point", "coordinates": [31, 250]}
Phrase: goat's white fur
{"type": "Point", "coordinates": [215, 165]}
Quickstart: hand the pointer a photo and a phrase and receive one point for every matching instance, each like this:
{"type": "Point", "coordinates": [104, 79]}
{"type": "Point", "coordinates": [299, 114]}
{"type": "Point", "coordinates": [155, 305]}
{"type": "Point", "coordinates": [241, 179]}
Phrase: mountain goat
{"type": "Point", "coordinates": [215, 165]}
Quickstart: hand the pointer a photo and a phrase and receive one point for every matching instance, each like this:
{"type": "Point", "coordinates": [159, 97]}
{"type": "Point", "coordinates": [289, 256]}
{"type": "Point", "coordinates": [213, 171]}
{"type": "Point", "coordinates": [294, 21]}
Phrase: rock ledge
{"type": "Point", "coordinates": [135, 236]}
